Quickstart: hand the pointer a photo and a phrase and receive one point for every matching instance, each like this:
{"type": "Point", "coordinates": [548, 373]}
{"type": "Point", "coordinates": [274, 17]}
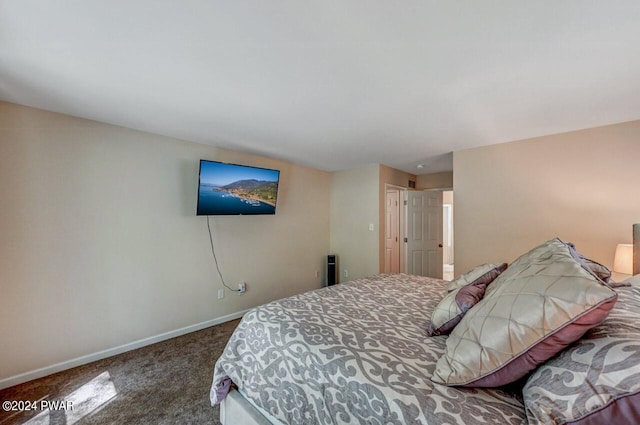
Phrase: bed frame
{"type": "Point", "coordinates": [235, 410]}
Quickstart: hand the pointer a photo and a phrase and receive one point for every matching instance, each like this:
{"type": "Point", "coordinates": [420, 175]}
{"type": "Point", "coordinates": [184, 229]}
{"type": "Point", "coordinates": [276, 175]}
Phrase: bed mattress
{"type": "Point", "coordinates": [357, 352]}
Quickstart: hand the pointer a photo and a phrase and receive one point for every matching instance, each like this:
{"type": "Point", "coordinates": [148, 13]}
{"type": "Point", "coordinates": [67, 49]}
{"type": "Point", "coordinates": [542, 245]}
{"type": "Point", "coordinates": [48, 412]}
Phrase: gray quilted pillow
{"type": "Point", "coordinates": [543, 302]}
{"type": "Point", "coordinates": [597, 380]}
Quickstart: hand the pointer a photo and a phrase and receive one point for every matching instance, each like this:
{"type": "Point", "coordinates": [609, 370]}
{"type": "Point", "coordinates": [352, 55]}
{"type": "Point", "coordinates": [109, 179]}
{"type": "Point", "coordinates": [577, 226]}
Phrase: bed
{"type": "Point", "coordinates": [359, 352]}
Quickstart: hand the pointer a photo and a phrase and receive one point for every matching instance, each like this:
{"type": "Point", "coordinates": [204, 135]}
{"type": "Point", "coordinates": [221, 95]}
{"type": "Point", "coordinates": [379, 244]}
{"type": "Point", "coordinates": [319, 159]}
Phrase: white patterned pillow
{"type": "Point", "coordinates": [469, 290]}
{"type": "Point", "coordinates": [597, 380]}
{"type": "Point", "coordinates": [482, 273]}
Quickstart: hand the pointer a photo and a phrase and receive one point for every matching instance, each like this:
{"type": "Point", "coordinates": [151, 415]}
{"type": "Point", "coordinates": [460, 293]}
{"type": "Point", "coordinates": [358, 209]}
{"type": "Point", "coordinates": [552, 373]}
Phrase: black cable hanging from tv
{"type": "Point", "coordinates": [213, 251]}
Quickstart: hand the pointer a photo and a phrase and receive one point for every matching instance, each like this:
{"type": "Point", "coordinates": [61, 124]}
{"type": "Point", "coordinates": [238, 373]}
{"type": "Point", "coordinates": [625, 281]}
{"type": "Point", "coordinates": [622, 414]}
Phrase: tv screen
{"type": "Point", "coordinates": [231, 189]}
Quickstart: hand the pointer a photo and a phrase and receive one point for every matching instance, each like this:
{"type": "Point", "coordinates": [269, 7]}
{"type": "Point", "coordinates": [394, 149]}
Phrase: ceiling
{"type": "Point", "coordinates": [328, 84]}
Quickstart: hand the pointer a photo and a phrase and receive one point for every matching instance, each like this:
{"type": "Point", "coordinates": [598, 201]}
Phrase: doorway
{"type": "Point", "coordinates": [419, 232]}
{"type": "Point", "coordinates": [447, 235]}
{"type": "Point", "coordinates": [392, 231]}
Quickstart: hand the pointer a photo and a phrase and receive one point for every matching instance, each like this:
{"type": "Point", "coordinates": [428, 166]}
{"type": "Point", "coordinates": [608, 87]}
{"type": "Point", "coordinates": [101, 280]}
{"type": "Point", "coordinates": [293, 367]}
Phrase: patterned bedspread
{"type": "Point", "coordinates": [354, 353]}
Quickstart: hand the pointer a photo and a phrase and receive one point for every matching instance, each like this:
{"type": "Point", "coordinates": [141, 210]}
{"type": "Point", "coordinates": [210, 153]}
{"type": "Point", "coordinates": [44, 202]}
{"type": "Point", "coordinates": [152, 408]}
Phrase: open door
{"type": "Point", "coordinates": [424, 233]}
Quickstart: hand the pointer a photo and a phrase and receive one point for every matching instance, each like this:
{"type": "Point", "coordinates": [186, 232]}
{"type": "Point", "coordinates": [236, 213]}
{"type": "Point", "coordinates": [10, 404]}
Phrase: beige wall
{"type": "Point", "coordinates": [580, 186]}
{"type": "Point", "coordinates": [389, 176]}
{"type": "Point", "coordinates": [355, 201]}
{"type": "Point", "coordinates": [442, 180]}
{"type": "Point", "coordinates": [100, 244]}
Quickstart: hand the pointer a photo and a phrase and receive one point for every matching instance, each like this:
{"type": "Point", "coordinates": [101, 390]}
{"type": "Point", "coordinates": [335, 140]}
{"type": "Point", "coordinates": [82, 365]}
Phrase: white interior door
{"type": "Point", "coordinates": [415, 252]}
{"type": "Point", "coordinates": [434, 242]}
{"type": "Point", "coordinates": [424, 233]}
{"type": "Point", "coordinates": [392, 232]}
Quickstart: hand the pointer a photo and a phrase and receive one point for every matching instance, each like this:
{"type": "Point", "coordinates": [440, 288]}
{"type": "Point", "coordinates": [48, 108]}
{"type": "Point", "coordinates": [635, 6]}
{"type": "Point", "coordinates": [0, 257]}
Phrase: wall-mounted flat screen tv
{"type": "Point", "coordinates": [231, 189]}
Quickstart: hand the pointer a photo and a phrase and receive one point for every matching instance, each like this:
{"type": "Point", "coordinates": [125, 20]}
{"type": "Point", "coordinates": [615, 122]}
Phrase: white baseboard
{"type": "Point", "coordinates": [79, 361]}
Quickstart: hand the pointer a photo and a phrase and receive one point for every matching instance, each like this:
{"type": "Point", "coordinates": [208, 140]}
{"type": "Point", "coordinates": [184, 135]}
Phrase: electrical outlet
{"type": "Point", "coordinates": [242, 288]}
{"type": "Point", "coordinates": [317, 273]}
{"type": "Point", "coordinates": [220, 294]}
{"type": "Point", "coordinates": [346, 273]}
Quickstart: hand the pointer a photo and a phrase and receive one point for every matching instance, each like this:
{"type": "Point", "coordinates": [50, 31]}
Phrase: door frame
{"type": "Point", "coordinates": [402, 222]}
{"type": "Point", "coordinates": [392, 230]}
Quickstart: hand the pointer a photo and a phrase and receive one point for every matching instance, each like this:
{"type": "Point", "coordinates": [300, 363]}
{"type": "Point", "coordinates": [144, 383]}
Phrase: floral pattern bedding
{"type": "Point", "coordinates": [357, 353]}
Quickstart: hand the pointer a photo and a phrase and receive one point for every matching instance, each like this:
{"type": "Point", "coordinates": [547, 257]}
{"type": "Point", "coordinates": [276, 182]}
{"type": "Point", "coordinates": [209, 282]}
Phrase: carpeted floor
{"type": "Point", "coordinates": [164, 383]}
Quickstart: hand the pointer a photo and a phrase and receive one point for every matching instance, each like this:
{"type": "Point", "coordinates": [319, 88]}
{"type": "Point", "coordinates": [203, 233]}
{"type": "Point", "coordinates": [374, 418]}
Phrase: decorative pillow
{"type": "Point", "coordinates": [455, 304]}
{"type": "Point", "coordinates": [543, 302]}
{"type": "Point", "coordinates": [483, 273]}
{"type": "Point", "coordinates": [597, 380]}
{"type": "Point", "coordinates": [602, 272]}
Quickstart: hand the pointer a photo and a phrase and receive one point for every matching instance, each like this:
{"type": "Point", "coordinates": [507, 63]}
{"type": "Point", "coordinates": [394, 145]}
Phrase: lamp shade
{"type": "Point", "coordinates": [623, 261]}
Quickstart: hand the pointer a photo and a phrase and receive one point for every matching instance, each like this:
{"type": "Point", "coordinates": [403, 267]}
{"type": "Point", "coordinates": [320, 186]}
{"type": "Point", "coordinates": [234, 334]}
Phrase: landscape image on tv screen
{"type": "Point", "coordinates": [230, 189]}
